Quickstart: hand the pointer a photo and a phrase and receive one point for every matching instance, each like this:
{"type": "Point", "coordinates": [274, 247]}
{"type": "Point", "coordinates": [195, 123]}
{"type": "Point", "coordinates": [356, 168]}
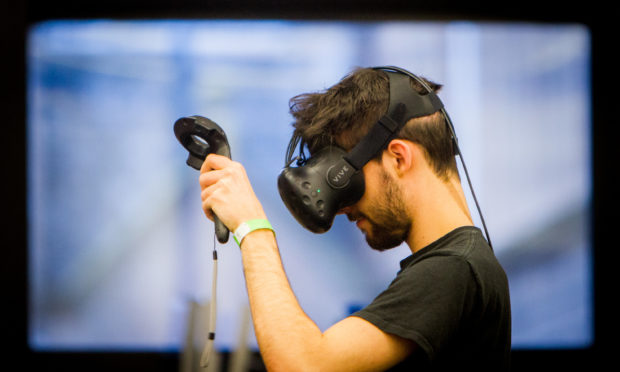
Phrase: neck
{"type": "Point", "coordinates": [441, 208]}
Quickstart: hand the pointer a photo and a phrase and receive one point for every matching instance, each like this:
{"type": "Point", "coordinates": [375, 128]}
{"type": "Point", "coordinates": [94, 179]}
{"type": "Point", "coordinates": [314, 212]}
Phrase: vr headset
{"type": "Point", "coordinates": [331, 179]}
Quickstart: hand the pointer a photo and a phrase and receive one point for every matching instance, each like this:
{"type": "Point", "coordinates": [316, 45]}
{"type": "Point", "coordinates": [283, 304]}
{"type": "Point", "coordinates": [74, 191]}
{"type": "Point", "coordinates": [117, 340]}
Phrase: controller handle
{"type": "Point", "coordinates": [201, 137]}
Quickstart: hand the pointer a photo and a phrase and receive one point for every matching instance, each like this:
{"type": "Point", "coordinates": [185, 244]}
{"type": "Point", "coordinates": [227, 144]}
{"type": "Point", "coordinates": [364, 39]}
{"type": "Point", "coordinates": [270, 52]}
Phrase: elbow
{"type": "Point", "coordinates": [288, 363]}
{"type": "Point", "coordinates": [289, 359]}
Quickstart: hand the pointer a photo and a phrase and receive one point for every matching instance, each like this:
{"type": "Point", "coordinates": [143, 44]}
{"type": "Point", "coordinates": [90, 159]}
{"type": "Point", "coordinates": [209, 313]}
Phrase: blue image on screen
{"type": "Point", "coordinates": [119, 248]}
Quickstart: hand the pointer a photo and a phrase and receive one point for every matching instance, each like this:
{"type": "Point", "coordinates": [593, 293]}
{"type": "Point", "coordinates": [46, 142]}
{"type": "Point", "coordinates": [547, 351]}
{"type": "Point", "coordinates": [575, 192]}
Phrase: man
{"type": "Point", "coordinates": [448, 306]}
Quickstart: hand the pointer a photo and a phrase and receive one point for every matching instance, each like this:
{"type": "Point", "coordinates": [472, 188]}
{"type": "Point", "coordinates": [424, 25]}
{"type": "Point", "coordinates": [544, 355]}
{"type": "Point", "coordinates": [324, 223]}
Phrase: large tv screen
{"type": "Point", "coordinates": [120, 251]}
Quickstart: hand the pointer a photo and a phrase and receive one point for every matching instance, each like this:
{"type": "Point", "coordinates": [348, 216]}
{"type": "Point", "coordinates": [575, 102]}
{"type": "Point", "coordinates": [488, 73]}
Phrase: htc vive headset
{"type": "Point", "coordinates": [331, 179]}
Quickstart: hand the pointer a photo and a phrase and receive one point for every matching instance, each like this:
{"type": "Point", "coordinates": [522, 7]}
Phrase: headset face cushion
{"type": "Point", "coordinates": [308, 195]}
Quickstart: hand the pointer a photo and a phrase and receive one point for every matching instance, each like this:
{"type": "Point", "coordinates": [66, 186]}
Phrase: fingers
{"type": "Point", "coordinates": [212, 194]}
{"type": "Point", "coordinates": [210, 182]}
{"type": "Point", "coordinates": [209, 176]}
{"type": "Point", "coordinates": [220, 171]}
{"type": "Point", "coordinates": [226, 192]}
{"type": "Point", "coordinates": [214, 161]}
{"type": "Point", "coordinates": [214, 168]}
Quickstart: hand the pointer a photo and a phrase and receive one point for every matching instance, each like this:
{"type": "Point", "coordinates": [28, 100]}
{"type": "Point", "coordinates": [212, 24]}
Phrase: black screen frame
{"type": "Point", "coordinates": [18, 17]}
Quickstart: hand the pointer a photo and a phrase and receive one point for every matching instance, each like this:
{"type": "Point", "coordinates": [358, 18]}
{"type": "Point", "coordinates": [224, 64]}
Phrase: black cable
{"type": "Point", "coordinates": [471, 188]}
{"type": "Point", "coordinates": [455, 142]}
{"type": "Point", "coordinates": [207, 352]}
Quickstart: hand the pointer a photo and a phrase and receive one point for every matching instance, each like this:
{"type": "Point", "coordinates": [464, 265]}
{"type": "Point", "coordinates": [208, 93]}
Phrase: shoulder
{"type": "Point", "coordinates": [463, 251]}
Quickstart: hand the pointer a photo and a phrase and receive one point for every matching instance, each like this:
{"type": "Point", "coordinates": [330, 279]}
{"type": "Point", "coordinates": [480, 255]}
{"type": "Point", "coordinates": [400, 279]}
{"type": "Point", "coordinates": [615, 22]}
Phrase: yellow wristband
{"type": "Point", "coordinates": [247, 227]}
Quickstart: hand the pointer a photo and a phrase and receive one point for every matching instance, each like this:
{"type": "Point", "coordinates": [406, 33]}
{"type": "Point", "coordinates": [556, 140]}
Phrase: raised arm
{"type": "Point", "coordinates": [287, 338]}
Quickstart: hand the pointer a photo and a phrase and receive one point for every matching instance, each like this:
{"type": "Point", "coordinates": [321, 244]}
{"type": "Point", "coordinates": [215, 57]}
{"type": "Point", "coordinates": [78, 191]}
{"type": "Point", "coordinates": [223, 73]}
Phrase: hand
{"type": "Point", "coordinates": [227, 192]}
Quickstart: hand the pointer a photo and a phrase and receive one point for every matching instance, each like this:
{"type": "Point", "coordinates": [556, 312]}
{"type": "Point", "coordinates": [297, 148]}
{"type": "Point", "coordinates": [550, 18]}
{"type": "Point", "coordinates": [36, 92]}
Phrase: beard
{"type": "Point", "coordinates": [389, 223]}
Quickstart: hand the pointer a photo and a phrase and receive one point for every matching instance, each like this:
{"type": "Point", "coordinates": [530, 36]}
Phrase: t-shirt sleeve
{"type": "Point", "coordinates": [426, 302]}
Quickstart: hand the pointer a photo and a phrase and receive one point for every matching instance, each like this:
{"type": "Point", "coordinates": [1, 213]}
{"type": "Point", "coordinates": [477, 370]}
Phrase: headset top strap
{"type": "Point", "coordinates": [405, 104]}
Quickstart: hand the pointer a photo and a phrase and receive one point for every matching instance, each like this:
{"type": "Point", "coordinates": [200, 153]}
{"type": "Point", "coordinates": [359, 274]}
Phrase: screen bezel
{"type": "Point", "coordinates": [21, 17]}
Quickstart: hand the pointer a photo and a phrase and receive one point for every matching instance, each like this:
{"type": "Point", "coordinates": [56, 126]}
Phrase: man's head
{"type": "Point", "coordinates": [344, 113]}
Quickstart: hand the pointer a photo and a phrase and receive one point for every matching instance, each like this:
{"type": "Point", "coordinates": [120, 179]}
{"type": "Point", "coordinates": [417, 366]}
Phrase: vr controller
{"type": "Point", "coordinates": [201, 137]}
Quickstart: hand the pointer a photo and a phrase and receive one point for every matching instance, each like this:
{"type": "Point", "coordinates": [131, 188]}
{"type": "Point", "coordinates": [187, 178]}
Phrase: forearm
{"type": "Point", "coordinates": [287, 338]}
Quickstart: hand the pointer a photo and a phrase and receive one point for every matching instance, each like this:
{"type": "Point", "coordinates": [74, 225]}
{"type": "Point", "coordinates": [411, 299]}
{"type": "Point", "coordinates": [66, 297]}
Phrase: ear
{"type": "Point", "coordinates": [399, 156]}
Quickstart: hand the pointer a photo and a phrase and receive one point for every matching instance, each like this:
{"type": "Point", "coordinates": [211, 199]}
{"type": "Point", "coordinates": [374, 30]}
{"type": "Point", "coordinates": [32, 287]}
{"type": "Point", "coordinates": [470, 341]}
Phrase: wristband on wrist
{"type": "Point", "coordinates": [247, 227]}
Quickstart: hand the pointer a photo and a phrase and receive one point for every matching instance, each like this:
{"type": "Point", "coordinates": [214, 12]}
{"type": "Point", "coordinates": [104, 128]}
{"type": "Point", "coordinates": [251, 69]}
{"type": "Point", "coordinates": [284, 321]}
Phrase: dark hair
{"type": "Point", "coordinates": [344, 113]}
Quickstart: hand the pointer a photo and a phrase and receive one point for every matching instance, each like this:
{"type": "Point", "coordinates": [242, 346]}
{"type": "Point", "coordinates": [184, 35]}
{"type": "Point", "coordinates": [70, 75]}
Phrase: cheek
{"type": "Point", "coordinates": [375, 181]}
{"type": "Point", "coordinates": [373, 184]}
{"type": "Point", "coordinates": [366, 204]}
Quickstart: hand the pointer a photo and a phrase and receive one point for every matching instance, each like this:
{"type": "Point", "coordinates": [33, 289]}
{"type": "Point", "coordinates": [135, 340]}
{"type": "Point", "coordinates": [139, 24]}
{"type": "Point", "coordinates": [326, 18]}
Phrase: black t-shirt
{"type": "Point", "coordinates": [451, 298]}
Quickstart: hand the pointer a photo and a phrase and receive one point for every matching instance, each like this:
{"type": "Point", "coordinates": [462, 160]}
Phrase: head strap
{"type": "Point", "coordinates": [405, 104]}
